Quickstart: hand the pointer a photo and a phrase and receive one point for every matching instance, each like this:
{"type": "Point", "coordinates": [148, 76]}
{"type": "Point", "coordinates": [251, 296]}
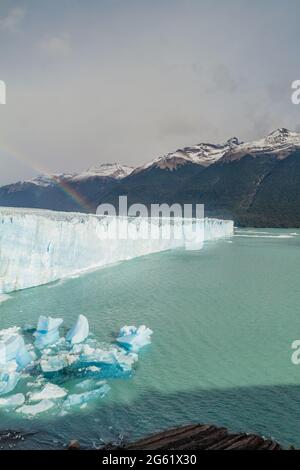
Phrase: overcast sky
{"type": "Point", "coordinates": [93, 81]}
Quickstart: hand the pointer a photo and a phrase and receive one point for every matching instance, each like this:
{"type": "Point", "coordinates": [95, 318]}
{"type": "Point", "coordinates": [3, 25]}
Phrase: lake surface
{"type": "Point", "coordinates": [223, 319]}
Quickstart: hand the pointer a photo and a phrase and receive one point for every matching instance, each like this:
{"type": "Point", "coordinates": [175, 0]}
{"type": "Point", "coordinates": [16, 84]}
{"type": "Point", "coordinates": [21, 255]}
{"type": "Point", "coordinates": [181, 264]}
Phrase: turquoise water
{"type": "Point", "coordinates": [223, 319]}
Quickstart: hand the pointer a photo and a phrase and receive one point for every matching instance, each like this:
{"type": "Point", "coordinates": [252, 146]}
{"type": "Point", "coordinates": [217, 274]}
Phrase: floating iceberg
{"type": "Point", "coordinates": [47, 331]}
{"type": "Point", "coordinates": [49, 392]}
{"type": "Point", "coordinates": [113, 356]}
{"type": "Point", "coordinates": [13, 401]}
{"type": "Point", "coordinates": [14, 357]}
{"type": "Point", "coordinates": [24, 357]}
{"type": "Point", "coordinates": [38, 382]}
{"type": "Point", "coordinates": [79, 399]}
{"type": "Point", "coordinates": [12, 348]}
{"type": "Point", "coordinates": [89, 384]}
{"type": "Point", "coordinates": [78, 356]}
{"type": "Point", "coordinates": [133, 338]}
{"type": "Point", "coordinates": [80, 331]}
{"type": "Point", "coordinates": [56, 363]}
{"type": "Point", "coordinates": [33, 410]}
{"type": "Point", "coordinates": [9, 377]}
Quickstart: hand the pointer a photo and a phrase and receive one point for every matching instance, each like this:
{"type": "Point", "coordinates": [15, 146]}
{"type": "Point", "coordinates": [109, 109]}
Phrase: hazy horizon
{"type": "Point", "coordinates": [126, 80]}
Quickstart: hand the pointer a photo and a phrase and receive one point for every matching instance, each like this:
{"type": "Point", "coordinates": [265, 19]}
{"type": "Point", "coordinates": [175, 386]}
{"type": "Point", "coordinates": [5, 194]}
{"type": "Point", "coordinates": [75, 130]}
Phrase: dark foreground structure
{"type": "Point", "coordinates": [190, 437]}
{"type": "Point", "coordinates": [203, 437]}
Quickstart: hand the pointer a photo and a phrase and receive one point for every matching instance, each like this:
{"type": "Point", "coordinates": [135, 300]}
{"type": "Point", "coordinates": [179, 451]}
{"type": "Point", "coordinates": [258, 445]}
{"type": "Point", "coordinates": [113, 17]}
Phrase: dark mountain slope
{"type": "Point", "coordinates": [60, 195]}
{"type": "Point", "coordinates": [226, 189]}
{"type": "Point", "coordinates": [278, 199]}
{"type": "Point", "coordinates": [229, 189]}
{"type": "Point", "coordinates": [153, 186]}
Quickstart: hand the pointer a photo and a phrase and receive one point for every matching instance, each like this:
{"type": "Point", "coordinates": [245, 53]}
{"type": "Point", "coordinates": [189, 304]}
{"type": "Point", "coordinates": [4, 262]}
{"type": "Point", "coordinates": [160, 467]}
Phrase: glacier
{"type": "Point", "coordinates": [40, 246]}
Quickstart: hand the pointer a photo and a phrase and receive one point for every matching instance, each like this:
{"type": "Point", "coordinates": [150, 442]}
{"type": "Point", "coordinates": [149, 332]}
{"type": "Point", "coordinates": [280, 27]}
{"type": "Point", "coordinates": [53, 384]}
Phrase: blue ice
{"type": "Point", "coordinates": [47, 332]}
{"type": "Point", "coordinates": [133, 338]}
{"type": "Point", "coordinates": [79, 332]}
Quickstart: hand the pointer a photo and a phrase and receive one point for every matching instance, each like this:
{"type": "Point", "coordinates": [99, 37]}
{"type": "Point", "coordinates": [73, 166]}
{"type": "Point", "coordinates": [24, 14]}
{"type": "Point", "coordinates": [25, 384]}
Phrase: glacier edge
{"type": "Point", "coordinates": [41, 246]}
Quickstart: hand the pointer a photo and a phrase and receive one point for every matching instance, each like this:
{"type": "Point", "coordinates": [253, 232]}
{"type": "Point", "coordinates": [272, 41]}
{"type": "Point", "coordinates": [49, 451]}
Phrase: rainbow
{"type": "Point", "coordinates": [65, 186]}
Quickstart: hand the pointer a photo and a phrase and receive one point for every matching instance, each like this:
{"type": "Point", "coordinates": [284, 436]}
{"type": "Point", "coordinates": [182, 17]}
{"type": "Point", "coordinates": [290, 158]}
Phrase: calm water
{"type": "Point", "coordinates": [223, 318]}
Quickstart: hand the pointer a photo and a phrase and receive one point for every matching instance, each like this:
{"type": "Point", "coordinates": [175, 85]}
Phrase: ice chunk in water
{"type": "Point", "coordinates": [80, 331]}
{"type": "Point", "coordinates": [13, 358]}
{"type": "Point", "coordinates": [79, 399]}
{"type": "Point", "coordinates": [53, 364]}
{"type": "Point", "coordinates": [47, 331]}
{"type": "Point", "coordinates": [8, 382]}
{"type": "Point", "coordinates": [49, 392]}
{"type": "Point", "coordinates": [125, 360]}
{"type": "Point", "coordinates": [9, 348]}
{"type": "Point", "coordinates": [93, 360]}
{"type": "Point", "coordinates": [9, 377]}
{"type": "Point", "coordinates": [24, 357]}
{"type": "Point", "coordinates": [40, 380]}
{"type": "Point", "coordinates": [113, 356]}
{"type": "Point", "coordinates": [85, 384]}
{"type": "Point", "coordinates": [13, 401]}
{"type": "Point", "coordinates": [133, 338]}
{"type": "Point", "coordinates": [7, 332]}
{"type": "Point", "coordinates": [48, 323]}
{"type": "Point", "coordinates": [33, 410]}
{"type": "Point", "coordinates": [12, 348]}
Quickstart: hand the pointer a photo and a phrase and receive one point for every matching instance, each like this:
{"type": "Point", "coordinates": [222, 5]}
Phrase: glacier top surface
{"type": "Point", "coordinates": [77, 216]}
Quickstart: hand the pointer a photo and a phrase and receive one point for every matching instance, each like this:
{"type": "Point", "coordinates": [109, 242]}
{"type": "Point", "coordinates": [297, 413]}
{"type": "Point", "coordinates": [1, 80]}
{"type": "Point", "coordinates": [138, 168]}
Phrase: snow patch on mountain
{"type": "Point", "coordinates": [279, 143]}
{"type": "Point", "coordinates": [48, 180]}
{"type": "Point", "coordinates": [105, 170]}
{"type": "Point", "coordinates": [108, 170]}
{"type": "Point", "coordinates": [201, 154]}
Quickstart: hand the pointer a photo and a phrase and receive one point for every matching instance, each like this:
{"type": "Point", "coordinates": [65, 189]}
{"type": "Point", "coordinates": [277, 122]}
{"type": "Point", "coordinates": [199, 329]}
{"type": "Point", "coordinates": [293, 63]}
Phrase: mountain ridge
{"type": "Point", "coordinates": [255, 183]}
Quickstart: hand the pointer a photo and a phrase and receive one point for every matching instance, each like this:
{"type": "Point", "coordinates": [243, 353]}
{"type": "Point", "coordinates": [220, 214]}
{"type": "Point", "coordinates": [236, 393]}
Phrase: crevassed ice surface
{"type": "Point", "coordinates": [37, 246]}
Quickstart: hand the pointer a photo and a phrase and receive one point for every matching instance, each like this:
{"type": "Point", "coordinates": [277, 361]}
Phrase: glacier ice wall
{"type": "Point", "coordinates": [39, 246]}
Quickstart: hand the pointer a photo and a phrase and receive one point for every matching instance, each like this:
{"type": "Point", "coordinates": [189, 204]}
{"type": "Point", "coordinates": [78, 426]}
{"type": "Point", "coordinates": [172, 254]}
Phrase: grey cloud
{"type": "Point", "coordinates": [57, 46]}
{"type": "Point", "coordinates": [221, 80]}
{"type": "Point", "coordinates": [126, 81]}
{"type": "Point", "coordinates": [12, 22]}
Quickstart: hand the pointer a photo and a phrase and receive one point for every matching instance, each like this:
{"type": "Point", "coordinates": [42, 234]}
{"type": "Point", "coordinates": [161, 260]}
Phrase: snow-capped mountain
{"type": "Point", "coordinates": [279, 142]}
{"type": "Point", "coordinates": [108, 170]}
{"type": "Point", "coordinates": [201, 154]}
{"type": "Point", "coordinates": [255, 183]}
{"type": "Point", "coordinates": [64, 191]}
{"type": "Point", "coordinates": [48, 180]}
{"type": "Point", "coordinates": [105, 170]}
